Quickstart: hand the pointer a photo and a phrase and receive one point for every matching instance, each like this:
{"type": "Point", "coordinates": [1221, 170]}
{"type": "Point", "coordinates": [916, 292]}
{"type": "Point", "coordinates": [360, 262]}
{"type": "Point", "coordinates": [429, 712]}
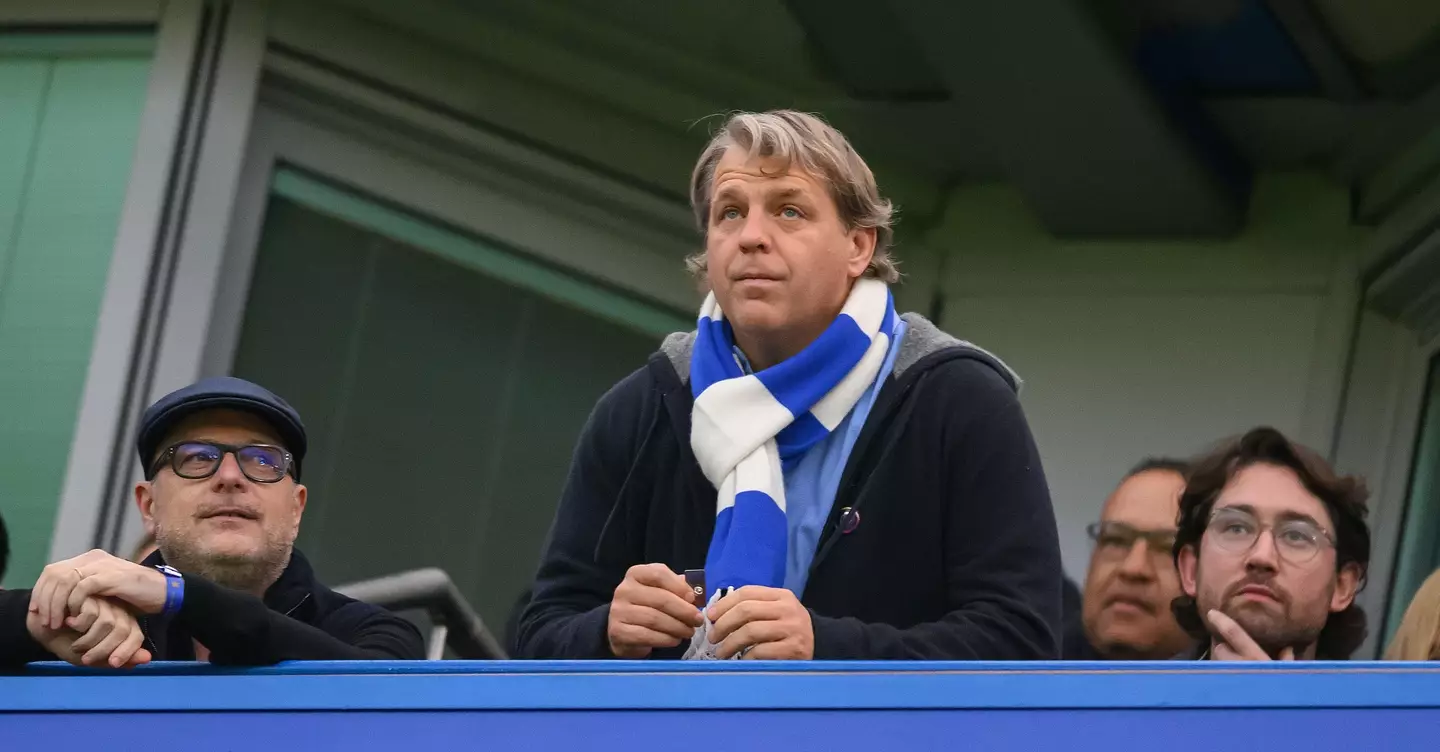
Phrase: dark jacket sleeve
{"type": "Point", "coordinates": [239, 629]}
{"type": "Point", "coordinates": [17, 647]}
{"type": "Point", "coordinates": [1002, 555]}
{"type": "Point", "coordinates": [569, 611]}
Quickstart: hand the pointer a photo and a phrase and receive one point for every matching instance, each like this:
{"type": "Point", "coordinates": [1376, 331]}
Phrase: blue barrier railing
{"type": "Point", "coordinates": [784, 706]}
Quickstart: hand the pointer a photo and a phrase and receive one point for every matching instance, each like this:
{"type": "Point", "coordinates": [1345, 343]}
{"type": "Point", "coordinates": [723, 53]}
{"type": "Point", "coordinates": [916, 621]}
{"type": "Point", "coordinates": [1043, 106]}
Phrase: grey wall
{"type": "Point", "coordinates": [1137, 348]}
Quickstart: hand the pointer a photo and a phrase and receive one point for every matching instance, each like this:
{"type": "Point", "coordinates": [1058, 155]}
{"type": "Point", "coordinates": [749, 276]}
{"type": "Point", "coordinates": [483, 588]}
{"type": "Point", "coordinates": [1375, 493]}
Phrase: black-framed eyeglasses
{"type": "Point", "coordinates": [1119, 538]}
{"type": "Point", "coordinates": [1296, 540]}
{"type": "Point", "coordinates": [197, 460]}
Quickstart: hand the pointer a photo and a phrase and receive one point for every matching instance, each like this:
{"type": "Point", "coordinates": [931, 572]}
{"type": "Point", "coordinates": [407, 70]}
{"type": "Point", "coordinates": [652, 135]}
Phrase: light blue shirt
{"type": "Point", "coordinates": [810, 484]}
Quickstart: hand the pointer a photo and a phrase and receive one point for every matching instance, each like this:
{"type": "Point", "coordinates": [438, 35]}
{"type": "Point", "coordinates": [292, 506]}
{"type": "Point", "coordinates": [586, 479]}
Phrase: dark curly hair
{"type": "Point", "coordinates": [1344, 498]}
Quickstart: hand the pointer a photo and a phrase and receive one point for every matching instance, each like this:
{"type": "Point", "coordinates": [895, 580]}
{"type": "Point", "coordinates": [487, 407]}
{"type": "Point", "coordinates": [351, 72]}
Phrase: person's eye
{"type": "Point", "coordinates": [1297, 536]}
{"type": "Point", "coordinates": [197, 454]}
{"type": "Point", "coordinates": [791, 212]}
{"type": "Point", "coordinates": [1235, 527]}
{"type": "Point", "coordinates": [729, 213]}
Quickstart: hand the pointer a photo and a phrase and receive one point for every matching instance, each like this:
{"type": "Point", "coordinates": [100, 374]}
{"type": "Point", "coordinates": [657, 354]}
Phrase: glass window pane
{"type": "Point", "coordinates": [69, 117]}
{"type": "Point", "coordinates": [443, 403]}
{"type": "Point", "coordinates": [1419, 553]}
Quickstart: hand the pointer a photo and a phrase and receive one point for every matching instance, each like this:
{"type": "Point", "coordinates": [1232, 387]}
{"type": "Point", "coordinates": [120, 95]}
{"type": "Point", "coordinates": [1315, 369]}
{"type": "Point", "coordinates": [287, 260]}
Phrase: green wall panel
{"type": "Point", "coordinates": [1419, 553]}
{"type": "Point", "coordinates": [68, 125]}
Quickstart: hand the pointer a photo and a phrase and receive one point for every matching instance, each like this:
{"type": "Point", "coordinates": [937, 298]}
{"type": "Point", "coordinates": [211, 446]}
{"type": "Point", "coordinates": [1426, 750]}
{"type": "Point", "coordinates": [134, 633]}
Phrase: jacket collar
{"type": "Point", "coordinates": [291, 594]}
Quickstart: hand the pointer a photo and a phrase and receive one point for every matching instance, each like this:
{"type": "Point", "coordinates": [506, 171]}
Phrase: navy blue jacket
{"type": "Point", "coordinates": [955, 556]}
{"type": "Point", "coordinates": [299, 619]}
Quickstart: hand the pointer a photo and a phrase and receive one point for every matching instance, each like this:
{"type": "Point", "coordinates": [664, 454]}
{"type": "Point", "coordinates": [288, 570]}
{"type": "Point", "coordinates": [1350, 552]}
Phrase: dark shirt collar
{"type": "Point", "coordinates": [291, 591]}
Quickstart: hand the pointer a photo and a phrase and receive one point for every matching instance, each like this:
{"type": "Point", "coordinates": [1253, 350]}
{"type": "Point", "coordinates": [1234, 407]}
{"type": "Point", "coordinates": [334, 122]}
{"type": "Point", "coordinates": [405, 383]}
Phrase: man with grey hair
{"type": "Point", "coordinates": [808, 474]}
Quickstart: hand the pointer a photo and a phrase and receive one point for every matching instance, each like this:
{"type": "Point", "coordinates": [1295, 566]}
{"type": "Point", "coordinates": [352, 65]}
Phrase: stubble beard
{"type": "Point", "coordinates": [1273, 629]}
{"type": "Point", "coordinates": [250, 573]}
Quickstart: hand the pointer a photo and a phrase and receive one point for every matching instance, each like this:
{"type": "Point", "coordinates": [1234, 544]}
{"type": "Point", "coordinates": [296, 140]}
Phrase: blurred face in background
{"type": "Point", "coordinates": [1132, 577]}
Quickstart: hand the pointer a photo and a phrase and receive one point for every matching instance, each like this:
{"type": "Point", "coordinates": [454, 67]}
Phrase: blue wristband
{"type": "Point", "coordinates": [174, 590]}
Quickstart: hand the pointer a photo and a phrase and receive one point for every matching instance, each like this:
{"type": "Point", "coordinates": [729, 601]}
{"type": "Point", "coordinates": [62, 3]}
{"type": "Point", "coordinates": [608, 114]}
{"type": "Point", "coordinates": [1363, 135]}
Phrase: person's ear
{"type": "Point", "coordinates": [145, 502]}
{"type": "Point", "coordinates": [300, 496]}
{"type": "Point", "coordinates": [1186, 565]}
{"type": "Point", "coordinates": [862, 250]}
{"type": "Point", "coordinates": [1347, 584]}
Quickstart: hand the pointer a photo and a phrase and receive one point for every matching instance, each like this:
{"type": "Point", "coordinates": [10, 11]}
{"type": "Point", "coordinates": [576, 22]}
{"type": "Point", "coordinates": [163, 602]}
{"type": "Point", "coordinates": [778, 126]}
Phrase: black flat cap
{"type": "Point", "coordinates": [224, 392]}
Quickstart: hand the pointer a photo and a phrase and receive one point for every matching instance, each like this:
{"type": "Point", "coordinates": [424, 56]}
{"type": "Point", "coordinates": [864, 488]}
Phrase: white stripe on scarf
{"type": "Point", "coordinates": [736, 419]}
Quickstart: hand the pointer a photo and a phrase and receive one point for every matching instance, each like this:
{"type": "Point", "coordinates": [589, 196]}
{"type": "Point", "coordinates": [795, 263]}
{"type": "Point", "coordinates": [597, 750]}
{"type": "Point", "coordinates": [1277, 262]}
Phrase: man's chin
{"type": "Point", "coordinates": [1129, 634]}
{"type": "Point", "coordinates": [1259, 622]}
{"type": "Point", "coordinates": [755, 316]}
{"type": "Point", "coordinates": [230, 548]}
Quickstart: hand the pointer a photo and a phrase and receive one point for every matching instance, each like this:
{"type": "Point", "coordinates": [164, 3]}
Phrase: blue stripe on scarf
{"type": "Point", "coordinates": [714, 357]}
{"type": "Point", "coordinates": [799, 382]}
{"type": "Point", "coordinates": [748, 546]}
{"type": "Point", "coordinates": [742, 550]}
{"type": "Point", "coordinates": [794, 439]}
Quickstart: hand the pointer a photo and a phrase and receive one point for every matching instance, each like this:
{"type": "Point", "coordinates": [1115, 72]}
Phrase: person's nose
{"type": "Point", "coordinates": [228, 475]}
{"type": "Point", "coordinates": [1263, 555]}
{"type": "Point", "coordinates": [755, 233]}
{"type": "Point", "coordinates": [1138, 565]}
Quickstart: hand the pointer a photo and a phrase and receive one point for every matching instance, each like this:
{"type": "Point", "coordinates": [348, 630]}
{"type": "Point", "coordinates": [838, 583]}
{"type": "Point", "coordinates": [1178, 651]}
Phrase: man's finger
{"type": "Point", "coordinates": [778, 650]}
{"type": "Point", "coordinates": [754, 633]}
{"type": "Point", "coordinates": [128, 647]}
{"type": "Point", "coordinates": [89, 611]}
{"type": "Point", "coordinates": [660, 576]}
{"type": "Point", "coordinates": [1222, 652]}
{"type": "Point", "coordinates": [60, 596]}
{"type": "Point", "coordinates": [665, 602]}
{"type": "Point", "coordinates": [93, 585]}
{"type": "Point", "coordinates": [40, 597]}
{"type": "Point", "coordinates": [747, 593]}
{"type": "Point", "coordinates": [98, 655]}
{"type": "Point", "coordinates": [141, 657]}
{"type": "Point", "coordinates": [101, 629]}
{"type": "Point", "coordinates": [656, 621]}
{"type": "Point", "coordinates": [741, 614]}
{"type": "Point", "coordinates": [633, 636]}
{"type": "Point", "coordinates": [1288, 654]}
{"type": "Point", "coordinates": [1236, 637]}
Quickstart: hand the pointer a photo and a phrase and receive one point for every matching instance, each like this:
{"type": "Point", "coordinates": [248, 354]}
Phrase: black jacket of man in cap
{"type": "Point", "coordinates": [222, 467]}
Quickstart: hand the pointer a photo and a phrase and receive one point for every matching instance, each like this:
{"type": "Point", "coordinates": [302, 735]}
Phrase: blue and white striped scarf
{"type": "Point", "coordinates": [747, 428]}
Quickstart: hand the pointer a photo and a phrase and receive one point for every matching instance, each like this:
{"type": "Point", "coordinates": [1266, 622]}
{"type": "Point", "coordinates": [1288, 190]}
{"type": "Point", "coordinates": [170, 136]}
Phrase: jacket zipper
{"type": "Point", "coordinates": [300, 603]}
{"type": "Point", "coordinates": [145, 629]}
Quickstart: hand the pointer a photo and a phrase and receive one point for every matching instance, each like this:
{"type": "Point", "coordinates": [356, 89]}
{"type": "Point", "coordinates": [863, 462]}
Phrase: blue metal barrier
{"type": "Point", "coordinates": [784, 706]}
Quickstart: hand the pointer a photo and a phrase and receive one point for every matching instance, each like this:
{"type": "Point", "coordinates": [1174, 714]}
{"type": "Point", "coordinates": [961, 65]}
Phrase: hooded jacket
{"type": "Point", "coordinates": [955, 556]}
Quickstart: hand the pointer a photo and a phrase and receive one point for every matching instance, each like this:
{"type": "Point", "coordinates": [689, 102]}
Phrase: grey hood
{"type": "Point", "coordinates": [921, 338]}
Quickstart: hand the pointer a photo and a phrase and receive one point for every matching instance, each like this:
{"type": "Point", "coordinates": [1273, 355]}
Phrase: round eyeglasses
{"type": "Point", "coordinates": [1117, 538]}
{"type": "Point", "coordinates": [1296, 540]}
{"type": "Point", "coordinates": [197, 460]}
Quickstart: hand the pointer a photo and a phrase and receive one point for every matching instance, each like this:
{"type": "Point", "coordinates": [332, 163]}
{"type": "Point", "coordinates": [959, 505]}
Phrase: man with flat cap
{"type": "Point", "coordinates": [223, 498]}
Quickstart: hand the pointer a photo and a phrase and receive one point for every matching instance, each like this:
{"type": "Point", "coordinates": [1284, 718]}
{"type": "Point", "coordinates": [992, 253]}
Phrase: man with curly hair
{"type": "Point", "coordinates": [1272, 548]}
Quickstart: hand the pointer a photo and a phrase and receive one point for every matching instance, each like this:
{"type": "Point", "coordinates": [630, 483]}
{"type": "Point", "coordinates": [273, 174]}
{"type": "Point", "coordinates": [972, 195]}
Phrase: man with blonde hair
{"type": "Point", "coordinates": [834, 480]}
